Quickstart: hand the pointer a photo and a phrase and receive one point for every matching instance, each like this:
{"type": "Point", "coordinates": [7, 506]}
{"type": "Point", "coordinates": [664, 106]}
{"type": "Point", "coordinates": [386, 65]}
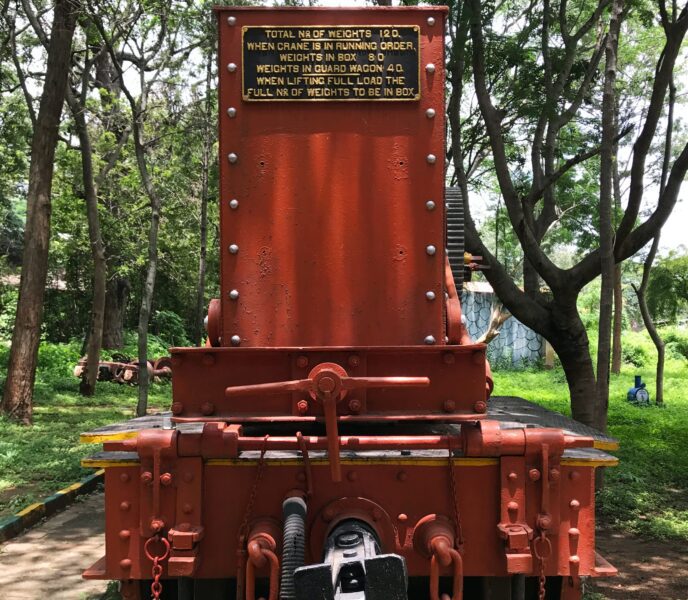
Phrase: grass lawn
{"type": "Point", "coordinates": [647, 493]}
{"type": "Point", "coordinates": [37, 461]}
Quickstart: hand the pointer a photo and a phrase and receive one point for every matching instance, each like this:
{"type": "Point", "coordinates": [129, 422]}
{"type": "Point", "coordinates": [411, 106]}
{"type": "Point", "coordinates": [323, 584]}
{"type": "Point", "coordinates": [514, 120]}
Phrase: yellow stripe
{"type": "Point", "coordinates": [29, 509]}
{"type": "Point", "coordinates": [99, 438]}
{"type": "Point", "coordinates": [71, 488]}
{"type": "Point", "coordinates": [601, 445]}
{"type": "Point", "coordinates": [577, 462]}
{"type": "Point", "coordinates": [428, 462]}
{"type": "Point", "coordinates": [89, 463]}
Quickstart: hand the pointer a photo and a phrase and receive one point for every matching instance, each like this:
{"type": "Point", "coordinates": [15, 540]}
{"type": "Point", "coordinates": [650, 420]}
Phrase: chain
{"type": "Point", "coordinates": [542, 548]}
{"type": "Point", "coordinates": [455, 498]}
{"type": "Point", "coordinates": [156, 586]}
{"type": "Point", "coordinates": [243, 530]}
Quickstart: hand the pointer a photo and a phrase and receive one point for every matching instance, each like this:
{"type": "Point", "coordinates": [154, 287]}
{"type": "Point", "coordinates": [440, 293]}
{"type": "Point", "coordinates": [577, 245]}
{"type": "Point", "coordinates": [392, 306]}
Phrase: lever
{"type": "Point", "coordinates": [327, 383]}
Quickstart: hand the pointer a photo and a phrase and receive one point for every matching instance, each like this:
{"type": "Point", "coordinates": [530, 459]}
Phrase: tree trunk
{"type": "Point", "coordinates": [605, 209]}
{"type": "Point", "coordinates": [205, 168]}
{"type": "Point", "coordinates": [18, 394]}
{"type": "Point", "coordinates": [116, 297]}
{"type": "Point", "coordinates": [95, 337]}
{"type": "Point", "coordinates": [618, 321]}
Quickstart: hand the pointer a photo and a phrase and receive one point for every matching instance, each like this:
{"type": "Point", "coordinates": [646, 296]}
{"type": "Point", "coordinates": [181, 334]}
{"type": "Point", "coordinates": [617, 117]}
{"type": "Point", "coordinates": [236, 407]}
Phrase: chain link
{"type": "Point", "coordinates": [156, 586]}
{"type": "Point", "coordinates": [243, 530]}
{"type": "Point", "coordinates": [455, 498]}
{"type": "Point", "coordinates": [542, 548]}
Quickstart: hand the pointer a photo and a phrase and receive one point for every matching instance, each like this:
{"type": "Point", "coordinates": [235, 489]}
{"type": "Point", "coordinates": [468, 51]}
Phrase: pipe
{"type": "Point", "coordinates": [293, 547]}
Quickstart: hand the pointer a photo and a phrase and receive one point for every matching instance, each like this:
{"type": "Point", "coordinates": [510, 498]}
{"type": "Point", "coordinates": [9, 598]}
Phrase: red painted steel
{"type": "Point", "coordinates": [331, 224]}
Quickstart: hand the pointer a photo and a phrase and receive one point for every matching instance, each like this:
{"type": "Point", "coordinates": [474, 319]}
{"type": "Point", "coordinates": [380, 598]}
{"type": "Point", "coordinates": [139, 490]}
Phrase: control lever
{"type": "Point", "coordinates": [327, 383]}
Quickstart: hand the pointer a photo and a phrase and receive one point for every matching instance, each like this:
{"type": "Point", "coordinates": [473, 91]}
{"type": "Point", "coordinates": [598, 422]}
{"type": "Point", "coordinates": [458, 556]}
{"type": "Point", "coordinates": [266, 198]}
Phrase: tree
{"type": "Point", "coordinates": [546, 93]}
{"type": "Point", "coordinates": [18, 394]}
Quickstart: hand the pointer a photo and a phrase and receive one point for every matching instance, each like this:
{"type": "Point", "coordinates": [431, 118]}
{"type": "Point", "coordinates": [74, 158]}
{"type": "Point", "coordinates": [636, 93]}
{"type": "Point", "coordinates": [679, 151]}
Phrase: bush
{"type": "Point", "coordinates": [634, 354]}
{"type": "Point", "coordinates": [169, 326]}
{"type": "Point", "coordinates": [676, 342]}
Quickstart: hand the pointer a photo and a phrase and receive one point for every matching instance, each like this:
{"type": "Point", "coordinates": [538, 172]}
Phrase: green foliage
{"type": "Point", "coordinates": [170, 326]}
{"type": "Point", "coordinates": [636, 355]}
{"type": "Point", "coordinates": [8, 308]}
{"type": "Point", "coordinates": [676, 341]}
{"type": "Point", "coordinates": [667, 293]}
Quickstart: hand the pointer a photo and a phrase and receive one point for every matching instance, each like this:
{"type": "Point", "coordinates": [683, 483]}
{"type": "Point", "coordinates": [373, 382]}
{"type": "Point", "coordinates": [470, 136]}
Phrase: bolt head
{"type": "Point", "coordinates": [534, 474]}
{"type": "Point", "coordinates": [574, 559]}
{"type": "Point", "coordinates": [355, 405]}
{"type": "Point", "coordinates": [512, 506]}
{"type": "Point", "coordinates": [544, 521]}
{"type": "Point", "coordinates": [207, 408]}
{"type": "Point", "coordinates": [302, 407]}
{"type": "Point", "coordinates": [125, 534]}
{"type": "Point", "coordinates": [124, 506]}
{"type": "Point", "coordinates": [302, 362]}
{"type": "Point", "coordinates": [233, 249]}
{"type": "Point", "coordinates": [430, 250]}
{"type": "Point", "coordinates": [157, 524]}
{"type": "Point", "coordinates": [431, 158]}
{"type": "Point", "coordinates": [232, 157]}
{"type": "Point", "coordinates": [430, 205]}
{"type": "Point", "coordinates": [166, 479]}
{"type": "Point", "coordinates": [234, 294]}
{"type": "Point", "coordinates": [146, 477]}
{"type": "Point", "coordinates": [430, 68]}
{"type": "Point", "coordinates": [554, 474]}
{"type": "Point", "coordinates": [449, 406]}
{"type": "Point", "coordinates": [231, 67]}
{"type": "Point", "coordinates": [429, 340]}
{"type": "Point", "coordinates": [187, 509]}
{"type": "Point", "coordinates": [574, 532]}
{"type": "Point", "coordinates": [124, 477]}
{"type": "Point", "coordinates": [234, 204]}
{"type": "Point", "coordinates": [231, 112]}
{"type": "Point", "coordinates": [574, 504]}
{"type": "Point", "coordinates": [125, 563]}
{"type": "Point", "coordinates": [430, 295]}
{"type": "Point", "coordinates": [177, 408]}
{"type": "Point", "coordinates": [431, 21]}
{"type": "Point", "coordinates": [480, 406]}
{"type": "Point", "coordinates": [236, 340]}
{"type": "Point", "coordinates": [430, 113]}
{"type": "Point", "coordinates": [512, 476]}
{"type": "Point", "coordinates": [402, 517]}
{"type": "Point", "coordinates": [231, 20]}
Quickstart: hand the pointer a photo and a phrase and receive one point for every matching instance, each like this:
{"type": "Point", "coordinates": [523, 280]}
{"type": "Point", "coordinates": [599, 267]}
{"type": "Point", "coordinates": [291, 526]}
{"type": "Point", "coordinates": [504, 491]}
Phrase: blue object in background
{"type": "Point", "coordinates": [638, 394]}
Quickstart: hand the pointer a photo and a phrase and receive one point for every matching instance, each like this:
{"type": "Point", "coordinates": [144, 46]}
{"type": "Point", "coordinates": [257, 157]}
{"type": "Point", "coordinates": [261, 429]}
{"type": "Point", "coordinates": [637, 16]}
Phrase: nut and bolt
{"type": "Point", "coordinates": [231, 112]}
{"type": "Point", "coordinates": [302, 362]}
{"type": "Point", "coordinates": [512, 476]}
{"type": "Point", "coordinates": [232, 157]}
{"type": "Point", "coordinates": [231, 20]}
{"type": "Point", "coordinates": [449, 406]}
{"type": "Point", "coordinates": [431, 21]}
{"type": "Point", "coordinates": [146, 477]}
{"type": "Point", "coordinates": [233, 249]}
{"type": "Point", "coordinates": [430, 295]}
{"type": "Point", "coordinates": [166, 479]}
{"type": "Point", "coordinates": [354, 361]}
{"type": "Point", "coordinates": [355, 405]}
{"type": "Point", "coordinates": [534, 474]}
{"type": "Point", "coordinates": [430, 250]}
{"type": "Point", "coordinates": [480, 406]}
{"type": "Point", "coordinates": [430, 68]}
{"type": "Point", "coordinates": [431, 158]}
{"type": "Point", "coordinates": [302, 407]}
{"type": "Point", "coordinates": [207, 408]}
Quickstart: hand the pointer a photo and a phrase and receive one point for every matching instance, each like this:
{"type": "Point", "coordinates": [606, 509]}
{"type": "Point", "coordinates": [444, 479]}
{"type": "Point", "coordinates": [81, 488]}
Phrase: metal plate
{"type": "Point", "coordinates": [330, 62]}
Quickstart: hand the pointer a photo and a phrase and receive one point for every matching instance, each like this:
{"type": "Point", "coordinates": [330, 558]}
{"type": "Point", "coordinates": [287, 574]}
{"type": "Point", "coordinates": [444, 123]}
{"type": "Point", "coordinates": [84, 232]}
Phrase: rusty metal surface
{"type": "Point", "coordinates": [331, 224]}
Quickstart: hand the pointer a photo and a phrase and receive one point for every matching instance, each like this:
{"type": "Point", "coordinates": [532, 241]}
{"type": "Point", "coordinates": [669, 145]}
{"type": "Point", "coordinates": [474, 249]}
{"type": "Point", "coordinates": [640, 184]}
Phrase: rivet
{"type": "Point", "coordinates": [430, 113]}
{"type": "Point", "coordinates": [231, 67]}
{"type": "Point", "coordinates": [231, 112]}
{"type": "Point", "coordinates": [166, 479]}
{"type": "Point", "coordinates": [353, 361]}
{"type": "Point", "coordinates": [448, 358]}
{"type": "Point", "coordinates": [352, 476]}
{"type": "Point", "coordinates": [124, 477]}
{"type": "Point", "coordinates": [234, 294]}
{"type": "Point", "coordinates": [232, 157]}
{"type": "Point", "coordinates": [302, 407]}
{"type": "Point", "coordinates": [429, 340]}
{"type": "Point", "coordinates": [233, 204]}
{"type": "Point", "coordinates": [124, 506]}
{"type": "Point", "coordinates": [177, 408]}
{"type": "Point", "coordinates": [430, 295]}
{"type": "Point", "coordinates": [574, 504]}
{"type": "Point", "coordinates": [574, 532]}
{"type": "Point", "coordinates": [431, 158]}
{"type": "Point", "coordinates": [574, 559]}
{"type": "Point", "coordinates": [187, 509]}
{"type": "Point", "coordinates": [430, 250]}
{"type": "Point", "coordinates": [231, 20]}
{"type": "Point", "coordinates": [430, 68]}
{"type": "Point", "coordinates": [512, 476]}
{"type": "Point", "coordinates": [188, 477]}
{"type": "Point", "coordinates": [355, 405]}
{"type": "Point", "coordinates": [554, 474]}
{"type": "Point", "coordinates": [236, 340]}
{"type": "Point", "coordinates": [512, 506]}
{"type": "Point", "coordinates": [125, 563]}
{"type": "Point", "coordinates": [207, 408]}
{"type": "Point", "coordinates": [402, 476]}
{"type": "Point", "coordinates": [430, 205]}
{"type": "Point", "coordinates": [480, 406]}
{"type": "Point", "coordinates": [124, 534]}
{"type": "Point", "coordinates": [574, 475]}
{"type": "Point", "coordinates": [302, 362]}
{"type": "Point", "coordinates": [402, 517]}
{"type": "Point", "coordinates": [233, 249]}
{"type": "Point", "coordinates": [146, 477]}
{"type": "Point", "coordinates": [431, 21]}
{"type": "Point", "coordinates": [449, 406]}
{"type": "Point", "coordinates": [534, 474]}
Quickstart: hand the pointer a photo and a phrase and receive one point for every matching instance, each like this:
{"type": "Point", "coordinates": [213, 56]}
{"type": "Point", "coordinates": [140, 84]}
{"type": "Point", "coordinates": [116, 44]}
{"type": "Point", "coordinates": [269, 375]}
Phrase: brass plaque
{"type": "Point", "coordinates": [337, 62]}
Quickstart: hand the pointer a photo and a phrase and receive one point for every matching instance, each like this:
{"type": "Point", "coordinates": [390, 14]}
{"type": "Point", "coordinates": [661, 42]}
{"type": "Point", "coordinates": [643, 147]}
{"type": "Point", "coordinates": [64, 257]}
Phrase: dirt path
{"type": "Point", "coordinates": [648, 569]}
{"type": "Point", "coordinates": [46, 561]}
